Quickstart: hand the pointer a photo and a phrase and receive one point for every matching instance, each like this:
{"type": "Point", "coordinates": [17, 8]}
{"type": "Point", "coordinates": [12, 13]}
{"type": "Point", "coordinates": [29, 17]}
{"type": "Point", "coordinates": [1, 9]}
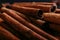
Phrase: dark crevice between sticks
{"type": "Point", "coordinates": [47, 28]}
{"type": "Point", "coordinates": [8, 6]}
{"type": "Point", "coordinates": [0, 8]}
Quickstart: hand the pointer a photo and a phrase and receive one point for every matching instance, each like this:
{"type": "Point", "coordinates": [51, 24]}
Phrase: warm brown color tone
{"type": "Point", "coordinates": [7, 35]}
{"type": "Point", "coordinates": [20, 27]}
{"type": "Point", "coordinates": [27, 10]}
{"type": "Point", "coordinates": [45, 8]}
{"type": "Point", "coordinates": [31, 26]}
{"type": "Point", "coordinates": [57, 11]}
{"type": "Point", "coordinates": [51, 17]}
{"type": "Point", "coordinates": [30, 21]}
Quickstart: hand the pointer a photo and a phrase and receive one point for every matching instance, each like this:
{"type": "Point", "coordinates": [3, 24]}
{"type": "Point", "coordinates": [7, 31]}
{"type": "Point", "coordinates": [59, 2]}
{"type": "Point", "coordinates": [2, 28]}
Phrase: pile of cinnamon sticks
{"type": "Point", "coordinates": [30, 21]}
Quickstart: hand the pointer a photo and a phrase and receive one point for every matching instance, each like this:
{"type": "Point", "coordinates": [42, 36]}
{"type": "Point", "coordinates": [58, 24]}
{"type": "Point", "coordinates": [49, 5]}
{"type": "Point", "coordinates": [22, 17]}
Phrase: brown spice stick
{"type": "Point", "coordinates": [31, 26]}
{"type": "Point", "coordinates": [45, 8]}
{"type": "Point", "coordinates": [20, 14]}
{"type": "Point", "coordinates": [7, 34]}
{"type": "Point", "coordinates": [20, 27]}
{"type": "Point", "coordinates": [27, 11]}
{"type": "Point", "coordinates": [57, 11]}
{"type": "Point", "coordinates": [53, 26]}
{"type": "Point", "coordinates": [34, 3]}
{"type": "Point", "coordinates": [51, 17]}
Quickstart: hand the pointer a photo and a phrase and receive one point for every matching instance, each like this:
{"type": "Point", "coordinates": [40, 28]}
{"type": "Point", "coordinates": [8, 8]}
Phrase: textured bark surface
{"type": "Point", "coordinates": [19, 22]}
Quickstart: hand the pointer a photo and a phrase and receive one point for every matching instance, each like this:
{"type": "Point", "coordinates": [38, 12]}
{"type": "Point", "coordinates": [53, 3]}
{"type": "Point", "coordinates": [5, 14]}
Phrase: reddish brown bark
{"type": "Point", "coordinates": [7, 34]}
{"type": "Point", "coordinates": [20, 27]}
{"type": "Point", "coordinates": [31, 26]}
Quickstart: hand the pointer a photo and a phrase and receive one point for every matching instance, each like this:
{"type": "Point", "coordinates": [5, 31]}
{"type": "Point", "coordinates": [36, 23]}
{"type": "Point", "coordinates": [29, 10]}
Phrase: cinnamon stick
{"type": "Point", "coordinates": [7, 34]}
{"type": "Point", "coordinates": [51, 17]}
{"type": "Point", "coordinates": [20, 27]}
{"type": "Point", "coordinates": [31, 26]}
{"type": "Point", "coordinates": [45, 8]}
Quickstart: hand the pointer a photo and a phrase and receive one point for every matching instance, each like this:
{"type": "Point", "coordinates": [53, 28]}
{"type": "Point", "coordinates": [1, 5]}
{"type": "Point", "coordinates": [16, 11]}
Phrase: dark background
{"type": "Point", "coordinates": [25, 0]}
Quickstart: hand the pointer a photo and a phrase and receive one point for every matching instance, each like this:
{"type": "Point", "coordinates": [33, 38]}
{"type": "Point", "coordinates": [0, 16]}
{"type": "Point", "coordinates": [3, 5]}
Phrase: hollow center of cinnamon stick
{"type": "Point", "coordinates": [40, 12]}
{"type": "Point", "coordinates": [53, 8]}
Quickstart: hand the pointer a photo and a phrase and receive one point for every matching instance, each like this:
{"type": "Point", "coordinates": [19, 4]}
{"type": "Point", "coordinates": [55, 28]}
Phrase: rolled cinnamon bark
{"type": "Point", "coordinates": [34, 3]}
{"type": "Point", "coordinates": [31, 26]}
{"type": "Point", "coordinates": [9, 11]}
{"type": "Point", "coordinates": [10, 28]}
{"type": "Point", "coordinates": [28, 3]}
{"type": "Point", "coordinates": [51, 17]}
{"type": "Point", "coordinates": [45, 3]}
{"type": "Point", "coordinates": [22, 15]}
{"type": "Point", "coordinates": [45, 8]}
{"type": "Point", "coordinates": [57, 11]}
{"type": "Point", "coordinates": [27, 10]}
{"type": "Point", "coordinates": [20, 27]}
{"type": "Point", "coordinates": [53, 26]}
{"type": "Point", "coordinates": [7, 35]}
